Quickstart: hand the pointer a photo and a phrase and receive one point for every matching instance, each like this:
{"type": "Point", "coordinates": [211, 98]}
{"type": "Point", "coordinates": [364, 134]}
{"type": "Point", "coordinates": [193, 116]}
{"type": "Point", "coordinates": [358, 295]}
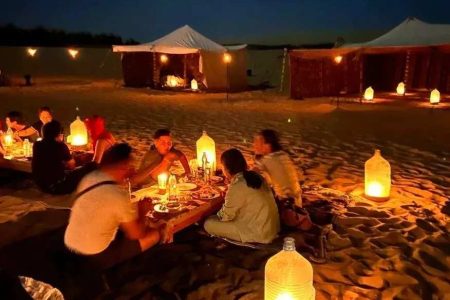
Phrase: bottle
{"type": "Point", "coordinates": [204, 161]}
{"type": "Point", "coordinates": [377, 177]}
{"type": "Point", "coordinates": [288, 275]}
{"type": "Point", "coordinates": [172, 187]}
{"type": "Point", "coordinates": [26, 148]}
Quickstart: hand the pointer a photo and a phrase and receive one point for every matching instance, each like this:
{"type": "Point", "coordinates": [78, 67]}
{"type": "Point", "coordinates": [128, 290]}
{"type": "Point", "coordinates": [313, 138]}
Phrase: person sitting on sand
{"type": "Point", "coordinates": [159, 158]}
{"type": "Point", "coordinates": [52, 165]}
{"type": "Point", "coordinates": [276, 166]}
{"type": "Point", "coordinates": [102, 207]}
{"type": "Point", "coordinates": [249, 213]}
{"type": "Point", "coordinates": [45, 116]}
{"type": "Point", "coordinates": [14, 120]}
{"type": "Point", "coordinates": [101, 139]}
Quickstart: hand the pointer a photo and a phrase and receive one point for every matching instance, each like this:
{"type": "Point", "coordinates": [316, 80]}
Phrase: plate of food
{"type": "Point", "coordinates": [205, 194]}
{"type": "Point", "coordinates": [161, 208]}
{"type": "Point", "coordinates": [150, 192]}
{"type": "Point", "coordinates": [216, 179]}
{"type": "Point", "coordinates": [186, 186]}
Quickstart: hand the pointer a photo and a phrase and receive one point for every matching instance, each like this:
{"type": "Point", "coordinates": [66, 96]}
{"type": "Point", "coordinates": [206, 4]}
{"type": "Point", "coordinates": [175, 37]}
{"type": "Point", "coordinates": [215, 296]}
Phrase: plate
{"type": "Point", "coordinates": [186, 186]}
{"type": "Point", "coordinates": [216, 178]}
{"type": "Point", "coordinates": [159, 208]}
{"type": "Point", "coordinates": [205, 195]}
{"type": "Point", "coordinates": [150, 192]}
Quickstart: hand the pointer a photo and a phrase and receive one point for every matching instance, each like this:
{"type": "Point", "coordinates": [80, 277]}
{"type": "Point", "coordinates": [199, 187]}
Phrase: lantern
{"type": "Point", "coordinates": [435, 97]}
{"type": "Point", "coordinates": [8, 138]}
{"type": "Point", "coordinates": [206, 145]}
{"type": "Point", "coordinates": [78, 133]}
{"type": "Point", "coordinates": [368, 94]}
{"type": "Point", "coordinates": [401, 89]}
{"type": "Point", "coordinates": [31, 51]}
{"type": "Point", "coordinates": [288, 275]}
{"type": "Point", "coordinates": [163, 58]}
{"type": "Point", "coordinates": [338, 59]}
{"type": "Point", "coordinates": [194, 85]}
{"type": "Point", "coordinates": [73, 53]}
{"type": "Point", "coordinates": [227, 58]}
{"type": "Point", "coordinates": [377, 173]}
{"type": "Point", "coordinates": [162, 181]}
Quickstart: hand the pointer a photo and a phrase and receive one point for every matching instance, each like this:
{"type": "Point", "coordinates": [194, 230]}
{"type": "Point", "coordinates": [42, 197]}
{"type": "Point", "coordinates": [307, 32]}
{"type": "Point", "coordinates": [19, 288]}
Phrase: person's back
{"type": "Point", "coordinates": [281, 173]}
{"type": "Point", "coordinates": [97, 214]}
{"type": "Point", "coordinates": [48, 162]}
{"type": "Point", "coordinates": [257, 219]}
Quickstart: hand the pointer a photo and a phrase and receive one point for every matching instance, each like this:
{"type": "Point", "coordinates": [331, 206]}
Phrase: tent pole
{"type": "Point", "coordinates": [154, 70]}
{"type": "Point", "coordinates": [283, 66]}
{"type": "Point", "coordinates": [406, 73]}
{"type": "Point", "coordinates": [185, 71]}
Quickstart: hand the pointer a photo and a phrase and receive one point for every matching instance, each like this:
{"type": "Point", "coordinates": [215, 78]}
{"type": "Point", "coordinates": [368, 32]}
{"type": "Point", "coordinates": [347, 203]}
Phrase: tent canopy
{"type": "Point", "coordinates": [184, 40]}
{"type": "Point", "coordinates": [410, 33]}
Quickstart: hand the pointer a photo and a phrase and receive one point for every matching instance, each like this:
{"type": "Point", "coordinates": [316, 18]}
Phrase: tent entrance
{"type": "Point", "coordinates": [178, 70]}
{"type": "Point", "coordinates": [383, 72]}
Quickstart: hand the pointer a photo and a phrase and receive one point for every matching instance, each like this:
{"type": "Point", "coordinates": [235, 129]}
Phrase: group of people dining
{"type": "Point", "coordinates": [105, 225]}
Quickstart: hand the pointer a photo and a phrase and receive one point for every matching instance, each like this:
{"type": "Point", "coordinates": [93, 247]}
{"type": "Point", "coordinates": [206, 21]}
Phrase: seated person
{"type": "Point", "coordinates": [45, 116]}
{"type": "Point", "coordinates": [159, 159]}
{"type": "Point", "coordinates": [52, 165]}
{"type": "Point", "coordinates": [102, 207]}
{"type": "Point", "coordinates": [101, 139]}
{"type": "Point", "coordinates": [277, 167]}
{"type": "Point", "coordinates": [14, 120]}
{"type": "Point", "coordinates": [249, 213]}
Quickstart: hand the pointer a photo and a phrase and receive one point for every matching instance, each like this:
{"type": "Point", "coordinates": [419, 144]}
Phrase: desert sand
{"type": "Point", "coordinates": [398, 249]}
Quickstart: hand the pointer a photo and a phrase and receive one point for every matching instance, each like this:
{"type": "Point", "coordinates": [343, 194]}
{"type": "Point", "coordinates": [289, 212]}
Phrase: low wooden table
{"type": "Point", "coordinates": [21, 165]}
{"type": "Point", "coordinates": [192, 211]}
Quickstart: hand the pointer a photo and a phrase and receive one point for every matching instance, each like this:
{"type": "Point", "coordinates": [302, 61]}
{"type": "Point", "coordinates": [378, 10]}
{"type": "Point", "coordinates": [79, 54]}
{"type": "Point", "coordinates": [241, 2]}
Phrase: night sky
{"type": "Point", "coordinates": [227, 21]}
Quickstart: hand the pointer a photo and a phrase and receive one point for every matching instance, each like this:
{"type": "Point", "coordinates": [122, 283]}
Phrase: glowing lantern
{"type": "Point", "coordinates": [401, 89]}
{"type": "Point", "coordinates": [227, 58]}
{"type": "Point", "coordinates": [338, 59]}
{"type": "Point", "coordinates": [31, 51]}
{"type": "Point", "coordinates": [288, 275]}
{"type": "Point", "coordinates": [78, 133]}
{"type": "Point", "coordinates": [73, 53]}
{"type": "Point", "coordinates": [368, 94]}
{"type": "Point", "coordinates": [194, 85]}
{"type": "Point", "coordinates": [206, 145]}
{"type": "Point", "coordinates": [377, 181]}
{"type": "Point", "coordinates": [162, 181]}
{"type": "Point", "coordinates": [163, 58]}
{"type": "Point", "coordinates": [8, 138]}
{"type": "Point", "coordinates": [435, 97]}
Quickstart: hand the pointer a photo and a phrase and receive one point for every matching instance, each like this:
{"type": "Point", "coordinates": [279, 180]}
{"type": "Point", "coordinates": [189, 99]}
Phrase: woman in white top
{"type": "Point", "coordinates": [249, 213]}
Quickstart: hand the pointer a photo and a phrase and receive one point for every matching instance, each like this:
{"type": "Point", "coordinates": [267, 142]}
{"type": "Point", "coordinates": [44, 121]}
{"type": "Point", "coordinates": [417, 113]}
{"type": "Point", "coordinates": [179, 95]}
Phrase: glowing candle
{"type": "Point", "coordinates": [162, 181]}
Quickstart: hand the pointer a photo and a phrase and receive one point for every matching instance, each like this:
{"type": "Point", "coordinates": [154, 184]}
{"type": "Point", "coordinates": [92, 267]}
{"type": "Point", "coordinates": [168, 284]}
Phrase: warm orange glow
{"type": "Point", "coordinates": [78, 133]}
{"type": "Point", "coordinates": [377, 176]}
{"type": "Point", "coordinates": [73, 53]}
{"type": "Point", "coordinates": [401, 89]}
{"type": "Point", "coordinates": [338, 59]}
{"type": "Point", "coordinates": [435, 97]}
{"type": "Point", "coordinates": [206, 144]}
{"type": "Point", "coordinates": [163, 58]}
{"type": "Point", "coordinates": [194, 85]}
{"type": "Point", "coordinates": [227, 58]}
{"type": "Point", "coordinates": [162, 181]}
{"type": "Point", "coordinates": [288, 275]}
{"type": "Point", "coordinates": [8, 138]}
{"type": "Point", "coordinates": [368, 94]}
{"type": "Point", "coordinates": [31, 52]}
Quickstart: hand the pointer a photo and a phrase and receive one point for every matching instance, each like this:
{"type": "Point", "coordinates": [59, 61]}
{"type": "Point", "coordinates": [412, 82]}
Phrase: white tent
{"type": "Point", "coordinates": [411, 32]}
{"type": "Point", "coordinates": [184, 40]}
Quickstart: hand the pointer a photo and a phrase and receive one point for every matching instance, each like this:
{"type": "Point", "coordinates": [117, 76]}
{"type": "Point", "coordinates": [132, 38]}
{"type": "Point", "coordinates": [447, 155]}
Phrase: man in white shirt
{"type": "Point", "coordinates": [102, 207]}
{"type": "Point", "coordinates": [277, 167]}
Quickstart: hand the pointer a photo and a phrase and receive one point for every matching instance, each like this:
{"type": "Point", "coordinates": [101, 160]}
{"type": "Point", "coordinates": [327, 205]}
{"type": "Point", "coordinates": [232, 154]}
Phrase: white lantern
{"type": "Point", "coordinates": [31, 52]}
{"type": "Point", "coordinates": [162, 181]}
{"type": "Point", "coordinates": [78, 133]}
{"type": "Point", "coordinates": [401, 89]}
{"type": "Point", "coordinates": [377, 177]}
{"type": "Point", "coordinates": [206, 145]}
{"type": "Point", "coordinates": [368, 94]}
{"type": "Point", "coordinates": [435, 97]}
{"type": "Point", "coordinates": [73, 53]}
{"type": "Point", "coordinates": [8, 138]}
{"type": "Point", "coordinates": [194, 85]}
{"type": "Point", "coordinates": [288, 275]}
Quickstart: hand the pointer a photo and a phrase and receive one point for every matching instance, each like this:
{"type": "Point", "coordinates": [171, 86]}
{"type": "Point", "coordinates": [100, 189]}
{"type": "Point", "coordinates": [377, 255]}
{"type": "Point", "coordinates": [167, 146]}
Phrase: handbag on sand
{"type": "Point", "coordinates": [293, 216]}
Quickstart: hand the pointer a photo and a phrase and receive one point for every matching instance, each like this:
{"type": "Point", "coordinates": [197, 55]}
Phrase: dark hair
{"type": "Point", "coordinates": [51, 130]}
{"type": "Point", "coordinates": [15, 116]}
{"type": "Point", "coordinates": [234, 162]}
{"type": "Point", "coordinates": [161, 132]}
{"type": "Point", "coordinates": [272, 138]}
{"type": "Point", "coordinates": [44, 108]}
{"type": "Point", "coordinates": [117, 153]}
